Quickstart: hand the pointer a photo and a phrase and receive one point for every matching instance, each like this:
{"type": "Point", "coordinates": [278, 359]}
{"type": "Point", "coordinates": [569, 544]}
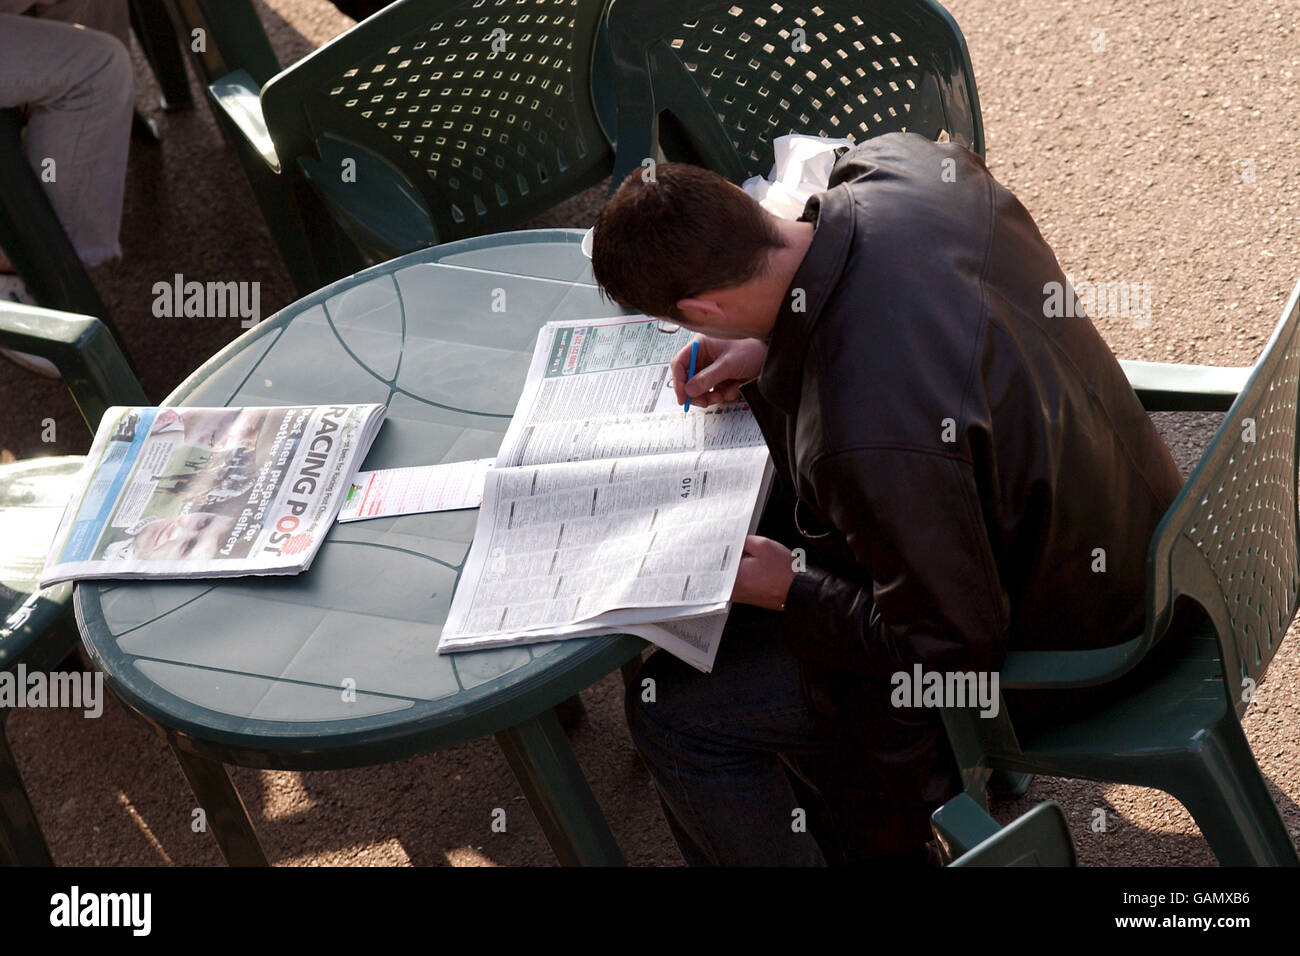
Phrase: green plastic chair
{"type": "Point", "coordinates": [430, 121]}
{"type": "Point", "coordinates": [968, 836]}
{"type": "Point", "coordinates": [1228, 548]}
{"type": "Point", "coordinates": [35, 628]}
{"type": "Point", "coordinates": [713, 82]}
{"type": "Point", "coordinates": [226, 39]}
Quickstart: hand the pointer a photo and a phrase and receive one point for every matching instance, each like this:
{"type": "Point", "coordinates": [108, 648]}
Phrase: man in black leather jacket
{"type": "Point", "coordinates": [962, 469]}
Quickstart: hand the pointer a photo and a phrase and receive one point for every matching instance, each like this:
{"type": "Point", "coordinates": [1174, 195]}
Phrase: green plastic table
{"type": "Point", "coordinates": [256, 671]}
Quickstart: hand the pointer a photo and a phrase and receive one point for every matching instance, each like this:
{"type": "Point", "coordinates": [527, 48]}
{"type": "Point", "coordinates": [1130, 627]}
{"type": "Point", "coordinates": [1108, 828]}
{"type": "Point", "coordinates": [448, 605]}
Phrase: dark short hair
{"type": "Point", "coordinates": [686, 231]}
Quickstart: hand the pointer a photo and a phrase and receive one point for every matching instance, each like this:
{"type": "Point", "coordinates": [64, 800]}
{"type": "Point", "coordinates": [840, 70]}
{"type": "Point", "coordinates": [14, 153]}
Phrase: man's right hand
{"type": "Point", "coordinates": [722, 367]}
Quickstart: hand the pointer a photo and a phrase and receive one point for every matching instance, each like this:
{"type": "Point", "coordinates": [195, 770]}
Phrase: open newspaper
{"type": "Point", "coordinates": [209, 492]}
{"type": "Point", "coordinates": [607, 508]}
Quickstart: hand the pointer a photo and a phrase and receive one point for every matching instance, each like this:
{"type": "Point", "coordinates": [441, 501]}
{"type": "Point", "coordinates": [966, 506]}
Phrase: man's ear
{"type": "Point", "coordinates": [705, 312]}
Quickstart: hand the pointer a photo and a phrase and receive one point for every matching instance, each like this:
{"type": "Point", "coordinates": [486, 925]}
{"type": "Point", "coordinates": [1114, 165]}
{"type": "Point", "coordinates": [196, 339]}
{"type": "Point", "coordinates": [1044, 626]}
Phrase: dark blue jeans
{"type": "Point", "coordinates": [739, 762]}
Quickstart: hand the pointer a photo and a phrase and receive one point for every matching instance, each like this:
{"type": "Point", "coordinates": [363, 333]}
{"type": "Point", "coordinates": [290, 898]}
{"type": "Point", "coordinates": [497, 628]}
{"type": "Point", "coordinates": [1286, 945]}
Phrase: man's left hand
{"type": "Point", "coordinates": [766, 572]}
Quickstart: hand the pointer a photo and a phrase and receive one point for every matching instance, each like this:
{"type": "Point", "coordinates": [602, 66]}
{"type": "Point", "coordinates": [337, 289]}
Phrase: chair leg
{"type": "Point", "coordinates": [223, 808]}
{"type": "Point", "coordinates": [33, 238]}
{"type": "Point", "coordinates": [144, 129]}
{"type": "Point", "coordinates": [21, 840]}
{"type": "Point", "coordinates": [963, 738]}
{"type": "Point", "coordinates": [1009, 783]}
{"type": "Point", "coordinates": [561, 799]}
{"type": "Point", "coordinates": [1224, 790]}
{"type": "Point", "coordinates": [162, 48]}
{"type": "Point", "coordinates": [334, 255]}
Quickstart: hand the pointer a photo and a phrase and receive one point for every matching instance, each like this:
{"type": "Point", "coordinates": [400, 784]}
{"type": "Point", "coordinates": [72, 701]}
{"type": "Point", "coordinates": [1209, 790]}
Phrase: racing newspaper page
{"type": "Point", "coordinates": [608, 509]}
{"type": "Point", "coordinates": [209, 492]}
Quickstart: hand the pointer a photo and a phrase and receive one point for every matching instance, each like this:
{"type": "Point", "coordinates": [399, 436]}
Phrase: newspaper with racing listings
{"type": "Point", "coordinates": [608, 510]}
{"type": "Point", "coordinates": [209, 492]}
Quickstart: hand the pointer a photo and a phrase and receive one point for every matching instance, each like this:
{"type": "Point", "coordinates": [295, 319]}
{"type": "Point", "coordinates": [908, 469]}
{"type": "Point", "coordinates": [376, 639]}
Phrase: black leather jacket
{"type": "Point", "coordinates": [968, 464]}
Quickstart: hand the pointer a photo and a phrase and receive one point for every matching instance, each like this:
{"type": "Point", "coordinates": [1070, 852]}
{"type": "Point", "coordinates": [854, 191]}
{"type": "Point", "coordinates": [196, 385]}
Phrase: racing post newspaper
{"type": "Point", "coordinates": [209, 492]}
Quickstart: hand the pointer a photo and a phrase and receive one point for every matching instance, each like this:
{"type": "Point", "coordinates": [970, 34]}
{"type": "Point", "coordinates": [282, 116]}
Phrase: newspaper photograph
{"type": "Point", "coordinates": [609, 509]}
{"type": "Point", "coordinates": [209, 492]}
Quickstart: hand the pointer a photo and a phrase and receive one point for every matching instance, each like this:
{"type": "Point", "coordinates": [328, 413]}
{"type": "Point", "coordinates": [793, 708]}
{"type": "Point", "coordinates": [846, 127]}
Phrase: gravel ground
{"type": "Point", "coordinates": [1143, 158]}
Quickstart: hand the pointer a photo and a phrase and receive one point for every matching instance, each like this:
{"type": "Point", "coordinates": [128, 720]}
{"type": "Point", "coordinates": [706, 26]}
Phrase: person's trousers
{"type": "Point", "coordinates": [749, 776]}
{"type": "Point", "coordinates": [79, 82]}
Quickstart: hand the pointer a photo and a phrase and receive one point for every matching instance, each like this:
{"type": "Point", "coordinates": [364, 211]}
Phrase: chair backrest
{"type": "Point", "coordinates": [483, 107]}
{"type": "Point", "coordinates": [1229, 540]}
{"type": "Point", "coordinates": [715, 81]}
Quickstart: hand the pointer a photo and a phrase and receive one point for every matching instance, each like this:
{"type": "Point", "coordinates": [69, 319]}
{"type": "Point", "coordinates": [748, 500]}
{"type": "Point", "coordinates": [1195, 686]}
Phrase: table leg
{"type": "Point", "coordinates": [543, 762]}
{"type": "Point", "coordinates": [223, 808]}
{"type": "Point", "coordinates": [21, 840]}
{"type": "Point", "coordinates": [570, 712]}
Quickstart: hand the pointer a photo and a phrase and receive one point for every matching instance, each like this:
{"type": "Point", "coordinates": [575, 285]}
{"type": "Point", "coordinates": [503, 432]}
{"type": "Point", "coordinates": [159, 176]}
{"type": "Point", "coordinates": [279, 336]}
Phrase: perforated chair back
{"type": "Point", "coordinates": [715, 81]}
{"type": "Point", "coordinates": [1229, 541]}
{"type": "Point", "coordinates": [478, 111]}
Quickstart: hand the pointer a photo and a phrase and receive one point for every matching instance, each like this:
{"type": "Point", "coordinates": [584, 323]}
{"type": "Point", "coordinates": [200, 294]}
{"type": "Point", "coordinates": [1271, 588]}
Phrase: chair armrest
{"type": "Point", "coordinates": [1168, 387]}
{"type": "Point", "coordinates": [960, 825]}
{"type": "Point", "coordinates": [1040, 837]}
{"type": "Point", "coordinates": [238, 98]}
{"type": "Point", "coordinates": [1038, 670]}
{"type": "Point", "coordinates": [83, 350]}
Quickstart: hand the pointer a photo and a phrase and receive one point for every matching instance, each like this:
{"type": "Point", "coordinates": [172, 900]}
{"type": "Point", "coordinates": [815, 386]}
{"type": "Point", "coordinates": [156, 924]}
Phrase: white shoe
{"type": "Point", "coordinates": [13, 289]}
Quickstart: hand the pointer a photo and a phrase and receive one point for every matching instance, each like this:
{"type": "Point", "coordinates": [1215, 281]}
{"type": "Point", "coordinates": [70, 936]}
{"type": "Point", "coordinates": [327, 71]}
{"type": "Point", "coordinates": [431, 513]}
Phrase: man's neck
{"type": "Point", "coordinates": [783, 265]}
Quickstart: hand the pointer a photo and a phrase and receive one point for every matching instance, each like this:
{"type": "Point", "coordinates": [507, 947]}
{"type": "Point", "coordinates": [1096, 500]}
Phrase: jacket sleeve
{"type": "Point", "coordinates": [930, 591]}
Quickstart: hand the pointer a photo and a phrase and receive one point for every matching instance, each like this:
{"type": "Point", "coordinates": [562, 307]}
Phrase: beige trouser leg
{"type": "Point", "coordinates": [79, 83]}
{"type": "Point", "coordinates": [111, 16]}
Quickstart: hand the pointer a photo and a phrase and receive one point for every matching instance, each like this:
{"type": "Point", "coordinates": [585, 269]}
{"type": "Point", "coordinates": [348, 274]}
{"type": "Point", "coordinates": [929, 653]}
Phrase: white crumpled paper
{"type": "Point", "coordinates": [802, 167]}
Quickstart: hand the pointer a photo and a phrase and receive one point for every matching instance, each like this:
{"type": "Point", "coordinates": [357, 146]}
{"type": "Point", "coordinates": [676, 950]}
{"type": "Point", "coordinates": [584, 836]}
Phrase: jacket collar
{"type": "Point", "coordinates": [781, 379]}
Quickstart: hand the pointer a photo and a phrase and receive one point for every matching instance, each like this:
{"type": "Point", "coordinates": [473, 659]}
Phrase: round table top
{"type": "Point", "coordinates": [338, 665]}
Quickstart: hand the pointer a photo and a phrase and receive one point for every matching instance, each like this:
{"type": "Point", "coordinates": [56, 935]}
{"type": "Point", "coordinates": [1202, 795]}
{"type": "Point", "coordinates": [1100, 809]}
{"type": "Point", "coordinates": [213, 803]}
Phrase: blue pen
{"type": "Point", "coordinates": [690, 373]}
